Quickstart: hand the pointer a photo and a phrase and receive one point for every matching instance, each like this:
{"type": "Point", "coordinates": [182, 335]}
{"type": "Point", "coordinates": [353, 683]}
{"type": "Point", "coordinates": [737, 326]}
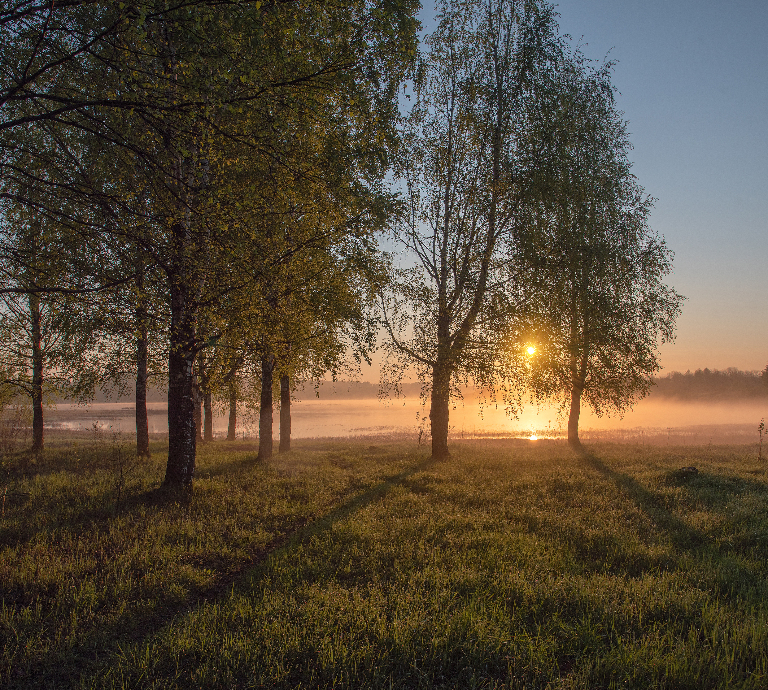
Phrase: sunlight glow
{"type": "Point", "coordinates": [531, 350]}
{"type": "Point", "coordinates": [533, 437]}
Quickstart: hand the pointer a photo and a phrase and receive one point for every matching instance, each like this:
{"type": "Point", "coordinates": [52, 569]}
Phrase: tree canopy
{"type": "Point", "coordinates": [597, 306]}
{"type": "Point", "coordinates": [194, 190]}
{"type": "Point", "coordinates": [186, 138]}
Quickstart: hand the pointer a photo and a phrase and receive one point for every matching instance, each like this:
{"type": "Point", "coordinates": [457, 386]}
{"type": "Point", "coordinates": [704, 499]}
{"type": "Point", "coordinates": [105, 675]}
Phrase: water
{"type": "Point", "coordinates": [652, 420]}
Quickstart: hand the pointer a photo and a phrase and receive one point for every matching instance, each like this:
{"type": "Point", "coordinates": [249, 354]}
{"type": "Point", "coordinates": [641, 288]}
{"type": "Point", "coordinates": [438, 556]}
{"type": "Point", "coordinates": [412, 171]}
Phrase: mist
{"type": "Point", "coordinates": [652, 420]}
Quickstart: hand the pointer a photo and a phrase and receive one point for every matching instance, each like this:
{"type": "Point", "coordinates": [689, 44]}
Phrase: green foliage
{"type": "Point", "coordinates": [351, 565]}
{"type": "Point", "coordinates": [199, 157]}
{"type": "Point", "coordinates": [592, 270]}
{"type": "Point", "coordinates": [33, 320]}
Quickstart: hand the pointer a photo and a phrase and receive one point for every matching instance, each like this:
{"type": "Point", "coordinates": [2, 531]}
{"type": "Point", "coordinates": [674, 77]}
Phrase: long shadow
{"type": "Point", "coordinates": [130, 500]}
{"type": "Point", "coordinates": [247, 461]}
{"type": "Point", "coordinates": [65, 668]}
{"type": "Point", "coordinates": [731, 578]}
{"type": "Point", "coordinates": [683, 536]}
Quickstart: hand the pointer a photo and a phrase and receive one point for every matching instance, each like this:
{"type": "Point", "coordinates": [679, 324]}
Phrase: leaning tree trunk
{"type": "Point", "coordinates": [265, 410]}
{"type": "Point", "coordinates": [37, 374]}
{"type": "Point", "coordinates": [182, 437]}
{"type": "Point", "coordinates": [232, 426]}
{"type": "Point", "coordinates": [285, 413]}
{"type": "Point", "coordinates": [142, 422]}
{"type": "Point", "coordinates": [207, 417]}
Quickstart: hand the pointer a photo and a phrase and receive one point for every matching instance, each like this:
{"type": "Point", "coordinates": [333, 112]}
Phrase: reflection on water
{"type": "Point", "coordinates": [660, 420]}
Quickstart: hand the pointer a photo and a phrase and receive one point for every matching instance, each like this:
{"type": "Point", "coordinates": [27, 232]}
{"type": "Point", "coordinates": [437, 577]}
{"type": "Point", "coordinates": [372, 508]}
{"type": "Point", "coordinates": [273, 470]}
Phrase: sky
{"type": "Point", "coordinates": [692, 77]}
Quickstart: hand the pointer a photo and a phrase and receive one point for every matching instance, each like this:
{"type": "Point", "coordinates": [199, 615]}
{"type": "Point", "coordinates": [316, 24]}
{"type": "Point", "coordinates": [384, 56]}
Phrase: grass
{"type": "Point", "coordinates": [346, 565]}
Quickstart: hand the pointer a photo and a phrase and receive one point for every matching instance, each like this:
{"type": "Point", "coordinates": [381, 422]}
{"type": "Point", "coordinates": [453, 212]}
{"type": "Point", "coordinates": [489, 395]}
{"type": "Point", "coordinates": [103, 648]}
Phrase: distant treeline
{"type": "Point", "coordinates": [127, 394]}
{"type": "Point", "coordinates": [702, 384]}
{"type": "Point", "coordinates": [350, 390]}
{"type": "Point", "coordinates": [706, 384]}
{"type": "Point", "coordinates": [324, 390]}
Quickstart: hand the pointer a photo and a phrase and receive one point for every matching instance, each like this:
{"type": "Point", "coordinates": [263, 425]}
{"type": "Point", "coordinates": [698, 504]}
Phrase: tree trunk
{"type": "Point", "coordinates": [198, 400]}
{"type": "Point", "coordinates": [142, 422]}
{"type": "Point", "coordinates": [182, 439]}
{"type": "Point", "coordinates": [578, 383]}
{"type": "Point", "coordinates": [285, 413]}
{"type": "Point", "coordinates": [37, 374]}
{"type": "Point", "coordinates": [265, 411]}
{"type": "Point", "coordinates": [182, 436]}
{"type": "Point", "coordinates": [573, 417]}
{"type": "Point", "coordinates": [580, 361]}
{"type": "Point", "coordinates": [440, 407]}
{"type": "Point", "coordinates": [232, 427]}
{"type": "Point", "coordinates": [184, 280]}
{"type": "Point", "coordinates": [208, 419]}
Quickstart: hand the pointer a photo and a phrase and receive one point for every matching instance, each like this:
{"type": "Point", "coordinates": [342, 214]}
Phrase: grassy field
{"type": "Point", "coordinates": [344, 564]}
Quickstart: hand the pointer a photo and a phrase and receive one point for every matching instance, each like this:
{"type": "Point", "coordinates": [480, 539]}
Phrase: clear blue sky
{"type": "Point", "coordinates": [693, 83]}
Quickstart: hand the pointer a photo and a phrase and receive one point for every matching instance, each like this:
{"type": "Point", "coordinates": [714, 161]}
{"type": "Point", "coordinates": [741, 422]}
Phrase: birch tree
{"type": "Point", "coordinates": [45, 346]}
{"type": "Point", "coordinates": [597, 302]}
{"type": "Point", "coordinates": [461, 175]}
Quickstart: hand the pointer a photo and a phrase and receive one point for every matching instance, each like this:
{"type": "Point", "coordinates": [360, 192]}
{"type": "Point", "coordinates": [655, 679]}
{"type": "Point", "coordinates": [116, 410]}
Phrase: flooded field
{"type": "Point", "coordinates": [651, 421]}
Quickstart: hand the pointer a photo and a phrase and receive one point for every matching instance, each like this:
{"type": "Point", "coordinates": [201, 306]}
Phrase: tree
{"type": "Point", "coordinates": [461, 171]}
{"type": "Point", "coordinates": [192, 99]}
{"type": "Point", "coordinates": [310, 312]}
{"type": "Point", "coordinates": [320, 80]}
{"type": "Point", "coordinates": [44, 345]}
{"type": "Point", "coordinates": [597, 303]}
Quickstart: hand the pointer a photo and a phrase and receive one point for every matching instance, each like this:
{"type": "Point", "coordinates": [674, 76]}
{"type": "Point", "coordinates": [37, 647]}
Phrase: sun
{"type": "Point", "coordinates": [531, 350]}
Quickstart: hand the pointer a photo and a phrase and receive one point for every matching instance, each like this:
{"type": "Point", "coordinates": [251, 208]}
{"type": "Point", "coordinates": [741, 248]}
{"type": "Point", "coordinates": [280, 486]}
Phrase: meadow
{"type": "Point", "coordinates": [359, 563]}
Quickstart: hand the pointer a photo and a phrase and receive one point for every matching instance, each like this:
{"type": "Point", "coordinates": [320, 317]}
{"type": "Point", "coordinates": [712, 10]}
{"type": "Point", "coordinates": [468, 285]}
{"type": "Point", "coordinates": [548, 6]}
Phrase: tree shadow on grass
{"type": "Point", "coordinates": [229, 467]}
{"type": "Point", "coordinates": [721, 560]}
{"type": "Point", "coordinates": [577, 625]}
{"type": "Point", "coordinates": [682, 535]}
{"type": "Point", "coordinates": [65, 668]}
{"type": "Point", "coordinates": [128, 500]}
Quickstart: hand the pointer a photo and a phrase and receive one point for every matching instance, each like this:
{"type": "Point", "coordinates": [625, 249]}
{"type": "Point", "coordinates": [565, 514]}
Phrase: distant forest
{"type": "Point", "coordinates": [706, 384]}
{"type": "Point", "coordinates": [702, 384]}
{"type": "Point", "coordinates": [309, 390]}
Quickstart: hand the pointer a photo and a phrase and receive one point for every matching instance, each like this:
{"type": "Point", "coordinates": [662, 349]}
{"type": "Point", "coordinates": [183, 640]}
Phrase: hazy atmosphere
{"type": "Point", "coordinates": [652, 420]}
{"type": "Point", "coordinates": [380, 344]}
{"type": "Point", "coordinates": [695, 94]}
{"type": "Point", "coordinates": [692, 87]}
